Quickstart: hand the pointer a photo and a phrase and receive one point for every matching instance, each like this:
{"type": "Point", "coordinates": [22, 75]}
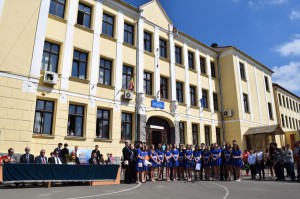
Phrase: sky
{"type": "Point", "coordinates": [268, 30]}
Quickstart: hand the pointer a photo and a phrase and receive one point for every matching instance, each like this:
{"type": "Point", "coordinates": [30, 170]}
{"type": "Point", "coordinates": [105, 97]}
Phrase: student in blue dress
{"type": "Point", "coordinates": [160, 162]}
{"type": "Point", "coordinates": [197, 159]}
{"type": "Point", "coordinates": [237, 161]}
{"type": "Point", "coordinates": [139, 164]}
{"type": "Point", "coordinates": [175, 162]}
{"type": "Point", "coordinates": [153, 160]}
{"type": "Point", "coordinates": [206, 154]}
{"type": "Point", "coordinates": [189, 161]}
{"type": "Point", "coordinates": [181, 162]}
{"type": "Point", "coordinates": [202, 165]}
{"type": "Point", "coordinates": [216, 160]}
{"type": "Point", "coordinates": [228, 160]}
{"type": "Point", "coordinates": [146, 161]}
{"type": "Point", "coordinates": [168, 160]}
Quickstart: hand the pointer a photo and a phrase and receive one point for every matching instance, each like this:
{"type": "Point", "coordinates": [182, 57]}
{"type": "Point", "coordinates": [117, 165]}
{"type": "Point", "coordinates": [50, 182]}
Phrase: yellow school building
{"type": "Point", "coordinates": [87, 72]}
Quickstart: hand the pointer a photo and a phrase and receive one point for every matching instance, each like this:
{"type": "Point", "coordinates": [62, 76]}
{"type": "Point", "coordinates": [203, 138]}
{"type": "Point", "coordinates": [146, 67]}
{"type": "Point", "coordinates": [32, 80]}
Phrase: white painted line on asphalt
{"type": "Point", "coordinates": [227, 190]}
{"type": "Point", "coordinates": [105, 194]}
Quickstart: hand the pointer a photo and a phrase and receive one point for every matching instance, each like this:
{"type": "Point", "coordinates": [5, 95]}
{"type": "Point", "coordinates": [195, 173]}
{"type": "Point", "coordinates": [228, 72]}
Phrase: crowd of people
{"type": "Point", "coordinates": [142, 162]}
{"type": "Point", "coordinates": [60, 155]}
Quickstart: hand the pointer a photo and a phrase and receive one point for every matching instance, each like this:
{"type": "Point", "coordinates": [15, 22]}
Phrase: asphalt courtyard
{"type": "Point", "coordinates": [245, 189]}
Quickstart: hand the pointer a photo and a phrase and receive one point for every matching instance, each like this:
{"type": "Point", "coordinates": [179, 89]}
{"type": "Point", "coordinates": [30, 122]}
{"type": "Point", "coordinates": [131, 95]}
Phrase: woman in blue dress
{"type": "Point", "coordinates": [146, 162]}
{"type": "Point", "coordinates": [237, 161]}
{"type": "Point", "coordinates": [175, 161]}
{"type": "Point", "coordinates": [160, 161]}
{"type": "Point", "coordinates": [197, 159]}
{"type": "Point", "coordinates": [228, 161]}
{"type": "Point", "coordinates": [181, 162]}
{"type": "Point", "coordinates": [206, 154]}
{"type": "Point", "coordinates": [139, 164]}
{"type": "Point", "coordinates": [153, 161]}
{"type": "Point", "coordinates": [168, 159]}
{"type": "Point", "coordinates": [188, 155]}
{"type": "Point", "coordinates": [216, 160]}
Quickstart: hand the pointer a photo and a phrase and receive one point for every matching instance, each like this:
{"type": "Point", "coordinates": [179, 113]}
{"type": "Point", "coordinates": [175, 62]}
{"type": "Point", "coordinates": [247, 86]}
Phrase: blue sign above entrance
{"type": "Point", "coordinates": [157, 104]}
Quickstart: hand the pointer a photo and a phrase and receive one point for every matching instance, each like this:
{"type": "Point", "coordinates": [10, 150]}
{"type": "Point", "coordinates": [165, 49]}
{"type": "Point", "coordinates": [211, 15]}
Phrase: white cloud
{"type": "Point", "coordinates": [288, 76]}
{"type": "Point", "coordinates": [291, 48]}
{"type": "Point", "coordinates": [277, 2]}
{"type": "Point", "coordinates": [295, 13]}
{"type": "Point", "coordinates": [257, 4]}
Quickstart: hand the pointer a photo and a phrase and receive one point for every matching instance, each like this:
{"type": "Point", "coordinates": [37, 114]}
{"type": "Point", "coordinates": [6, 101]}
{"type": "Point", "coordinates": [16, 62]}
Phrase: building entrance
{"type": "Point", "coordinates": [158, 131]}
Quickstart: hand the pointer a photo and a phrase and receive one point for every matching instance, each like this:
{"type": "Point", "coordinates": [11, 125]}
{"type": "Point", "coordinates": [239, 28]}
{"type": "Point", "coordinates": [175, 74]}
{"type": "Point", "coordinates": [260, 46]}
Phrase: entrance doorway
{"type": "Point", "coordinates": [156, 137]}
{"type": "Point", "coordinates": [158, 131]}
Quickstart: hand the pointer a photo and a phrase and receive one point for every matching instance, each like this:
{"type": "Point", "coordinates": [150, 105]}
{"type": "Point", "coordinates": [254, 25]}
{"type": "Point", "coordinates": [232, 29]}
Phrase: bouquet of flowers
{"type": "Point", "coordinates": [71, 159]}
{"type": "Point", "coordinates": [5, 160]}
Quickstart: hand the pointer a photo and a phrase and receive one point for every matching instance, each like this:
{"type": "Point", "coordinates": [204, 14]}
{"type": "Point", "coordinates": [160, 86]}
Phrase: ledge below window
{"type": "Point", "coordinates": [75, 79]}
{"type": "Point", "coordinates": [164, 59]}
{"type": "Point", "coordinates": [102, 140]}
{"type": "Point", "coordinates": [129, 45]}
{"type": "Point", "coordinates": [149, 53]}
{"type": "Point", "coordinates": [105, 86]}
{"type": "Point", "coordinates": [108, 37]}
{"type": "Point", "coordinates": [204, 75]}
{"type": "Point", "coordinates": [84, 28]}
{"type": "Point", "coordinates": [54, 17]}
{"type": "Point", "coordinates": [43, 136]}
{"type": "Point", "coordinates": [75, 138]}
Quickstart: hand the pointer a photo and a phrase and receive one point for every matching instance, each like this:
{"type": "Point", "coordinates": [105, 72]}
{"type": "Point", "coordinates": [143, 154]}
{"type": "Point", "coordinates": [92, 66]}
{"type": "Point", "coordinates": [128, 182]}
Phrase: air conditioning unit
{"type": "Point", "coordinates": [128, 95]}
{"type": "Point", "coordinates": [50, 78]}
{"type": "Point", "coordinates": [227, 113]}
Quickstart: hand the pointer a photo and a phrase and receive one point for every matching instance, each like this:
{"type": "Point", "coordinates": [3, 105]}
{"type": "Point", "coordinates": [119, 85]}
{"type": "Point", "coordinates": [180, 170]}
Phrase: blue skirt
{"type": "Point", "coordinates": [153, 164]}
{"type": "Point", "coordinates": [189, 164]}
{"type": "Point", "coordinates": [207, 165]}
{"type": "Point", "coordinates": [182, 163]}
{"type": "Point", "coordinates": [237, 162]}
{"type": "Point", "coordinates": [175, 163]}
{"type": "Point", "coordinates": [229, 162]}
{"type": "Point", "coordinates": [137, 168]}
{"type": "Point", "coordinates": [216, 162]}
{"type": "Point", "coordinates": [169, 164]}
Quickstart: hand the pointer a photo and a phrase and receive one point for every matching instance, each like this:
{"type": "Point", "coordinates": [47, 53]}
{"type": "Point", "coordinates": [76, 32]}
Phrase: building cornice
{"type": "Point", "coordinates": [275, 86]}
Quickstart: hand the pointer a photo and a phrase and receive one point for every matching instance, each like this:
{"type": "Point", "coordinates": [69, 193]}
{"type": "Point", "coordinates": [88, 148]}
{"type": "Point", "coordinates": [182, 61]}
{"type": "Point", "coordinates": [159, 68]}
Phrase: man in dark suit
{"type": "Point", "coordinates": [41, 159]}
{"type": "Point", "coordinates": [96, 150]}
{"type": "Point", "coordinates": [64, 153]}
{"type": "Point", "coordinates": [56, 159]}
{"type": "Point", "coordinates": [94, 159]}
{"type": "Point", "coordinates": [27, 158]}
{"type": "Point", "coordinates": [59, 148]}
{"type": "Point", "coordinates": [127, 153]}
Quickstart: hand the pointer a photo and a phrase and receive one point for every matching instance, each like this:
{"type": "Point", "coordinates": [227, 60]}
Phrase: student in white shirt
{"type": "Point", "coordinates": [252, 163]}
{"type": "Point", "coordinates": [260, 162]}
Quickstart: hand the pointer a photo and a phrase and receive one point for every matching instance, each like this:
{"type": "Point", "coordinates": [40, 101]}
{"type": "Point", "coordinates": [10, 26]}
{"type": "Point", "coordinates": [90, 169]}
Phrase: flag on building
{"type": "Point", "coordinates": [131, 83]}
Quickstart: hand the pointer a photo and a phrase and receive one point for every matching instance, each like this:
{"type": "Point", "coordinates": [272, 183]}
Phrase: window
{"type": "Point", "coordinates": [105, 72]}
{"type": "Point", "coordinates": [296, 106]}
{"type": "Point", "coordinates": [279, 99]}
{"type": "Point", "coordinates": [75, 120]}
{"type": "Point", "coordinates": [127, 78]}
{"type": "Point", "coordinates": [216, 103]}
{"type": "Point", "coordinates": [147, 42]}
{"type": "Point", "coordinates": [218, 135]}
{"type": "Point", "coordinates": [43, 117]}
{"type": "Point", "coordinates": [292, 105]}
{"type": "Point", "coordinates": [286, 122]}
{"type": "Point", "coordinates": [162, 48]}
{"type": "Point", "coordinates": [191, 60]}
{"type": "Point", "coordinates": [207, 135]}
{"type": "Point", "coordinates": [245, 100]}
{"type": "Point", "coordinates": [102, 128]}
{"type": "Point", "coordinates": [148, 83]}
{"type": "Point", "coordinates": [290, 122]}
{"type": "Point", "coordinates": [193, 97]}
{"type": "Point", "coordinates": [179, 92]}
{"type": "Point", "coordinates": [296, 124]}
{"type": "Point", "coordinates": [242, 71]}
{"type": "Point", "coordinates": [163, 87]}
{"type": "Point", "coordinates": [202, 65]}
{"type": "Point", "coordinates": [283, 100]}
{"type": "Point", "coordinates": [213, 69]}
{"type": "Point", "coordinates": [178, 58]}
{"type": "Point", "coordinates": [267, 84]}
{"type": "Point", "coordinates": [79, 66]}
{"type": "Point", "coordinates": [287, 103]}
{"type": "Point", "coordinates": [84, 15]}
{"type": "Point", "coordinates": [282, 120]}
{"type": "Point", "coordinates": [293, 123]}
{"type": "Point", "coordinates": [128, 33]}
{"type": "Point", "coordinates": [50, 57]}
{"type": "Point", "coordinates": [57, 8]}
{"type": "Point", "coordinates": [195, 134]}
{"type": "Point", "coordinates": [204, 100]}
{"type": "Point", "coordinates": [108, 25]}
{"type": "Point", "coordinates": [181, 132]}
{"type": "Point", "coordinates": [270, 111]}
{"type": "Point", "coordinates": [126, 132]}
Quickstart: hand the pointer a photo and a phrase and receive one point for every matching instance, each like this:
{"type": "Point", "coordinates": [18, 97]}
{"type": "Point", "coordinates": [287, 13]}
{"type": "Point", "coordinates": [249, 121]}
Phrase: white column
{"type": "Point", "coordinates": [96, 47]}
{"type": "Point", "coordinates": [199, 87]}
{"type": "Point", "coordinates": [140, 56]}
{"type": "Point", "coordinates": [211, 101]}
{"type": "Point", "coordinates": [172, 64]}
{"type": "Point", "coordinates": [39, 39]}
{"type": "Point", "coordinates": [156, 63]}
{"type": "Point", "coordinates": [249, 91]}
{"type": "Point", "coordinates": [68, 49]}
{"type": "Point", "coordinates": [187, 82]}
{"type": "Point", "coordinates": [119, 59]}
{"type": "Point", "coordinates": [240, 86]}
{"type": "Point", "coordinates": [257, 94]}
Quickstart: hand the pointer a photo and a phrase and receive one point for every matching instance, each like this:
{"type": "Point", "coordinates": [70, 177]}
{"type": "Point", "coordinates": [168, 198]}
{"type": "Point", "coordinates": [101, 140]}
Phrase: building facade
{"type": "Point", "coordinates": [100, 72]}
{"type": "Point", "coordinates": [288, 113]}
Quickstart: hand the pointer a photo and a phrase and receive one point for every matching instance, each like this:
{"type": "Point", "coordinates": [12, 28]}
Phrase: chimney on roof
{"type": "Point", "coordinates": [214, 45]}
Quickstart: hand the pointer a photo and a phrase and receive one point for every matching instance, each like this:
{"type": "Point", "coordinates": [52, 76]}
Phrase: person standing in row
{"type": "Point", "coordinates": [289, 162]}
{"type": "Point", "coordinates": [97, 151]}
{"type": "Point", "coordinates": [160, 162]}
{"type": "Point", "coordinates": [181, 162]}
{"type": "Point", "coordinates": [168, 160]}
{"type": "Point", "coordinates": [206, 162]}
{"type": "Point", "coordinates": [216, 160]}
{"type": "Point", "coordinates": [197, 159]}
{"type": "Point", "coordinates": [189, 161]}
{"type": "Point", "coordinates": [237, 161]}
{"type": "Point", "coordinates": [260, 163]}
{"type": "Point", "coordinates": [269, 162]}
{"type": "Point", "coordinates": [65, 153]}
{"type": "Point", "coordinates": [252, 163]}
{"type": "Point", "coordinates": [153, 161]}
{"type": "Point", "coordinates": [139, 164]}
{"type": "Point", "coordinates": [175, 162]}
{"type": "Point", "coordinates": [228, 160]}
{"type": "Point", "coordinates": [127, 157]}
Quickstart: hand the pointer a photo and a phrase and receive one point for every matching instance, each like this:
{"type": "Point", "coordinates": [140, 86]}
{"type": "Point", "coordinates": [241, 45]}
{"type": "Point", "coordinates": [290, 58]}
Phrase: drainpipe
{"type": "Point", "coordinates": [221, 96]}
